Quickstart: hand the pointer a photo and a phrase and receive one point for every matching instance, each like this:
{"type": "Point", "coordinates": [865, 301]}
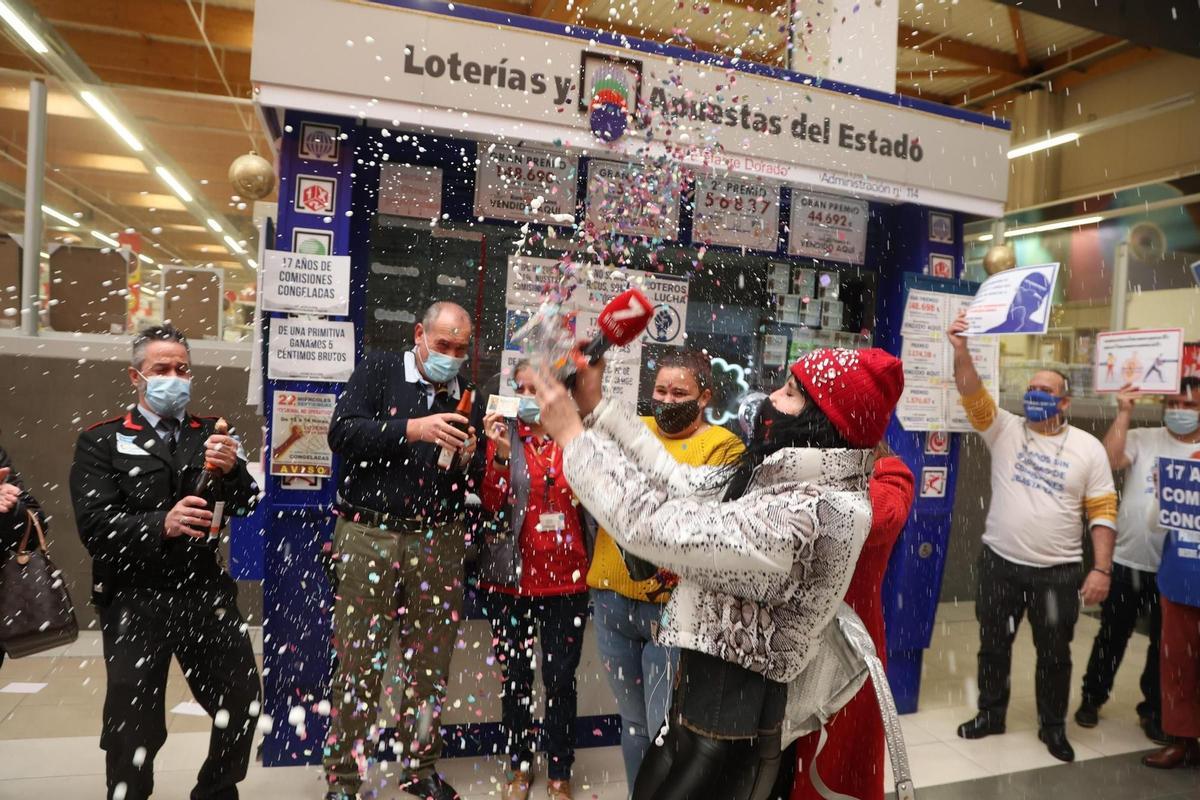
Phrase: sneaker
{"type": "Point", "coordinates": [1088, 715]}
{"type": "Point", "coordinates": [982, 725]}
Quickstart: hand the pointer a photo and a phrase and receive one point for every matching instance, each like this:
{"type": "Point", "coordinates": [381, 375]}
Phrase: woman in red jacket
{"type": "Point", "coordinates": [852, 761]}
{"type": "Point", "coordinates": [532, 569]}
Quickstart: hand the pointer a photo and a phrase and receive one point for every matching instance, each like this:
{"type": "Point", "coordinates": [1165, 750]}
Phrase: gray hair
{"type": "Point", "coordinates": [443, 306]}
{"type": "Point", "coordinates": [156, 333]}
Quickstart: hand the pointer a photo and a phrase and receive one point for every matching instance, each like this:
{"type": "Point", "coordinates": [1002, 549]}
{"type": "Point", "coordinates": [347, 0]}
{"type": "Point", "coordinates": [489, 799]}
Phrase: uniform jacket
{"type": "Point", "coordinates": [12, 524]}
{"type": "Point", "coordinates": [761, 576]}
{"type": "Point", "coordinates": [124, 480]}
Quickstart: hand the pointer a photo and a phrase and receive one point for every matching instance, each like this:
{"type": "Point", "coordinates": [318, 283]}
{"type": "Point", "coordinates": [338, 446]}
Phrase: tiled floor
{"type": "Point", "coordinates": [48, 740]}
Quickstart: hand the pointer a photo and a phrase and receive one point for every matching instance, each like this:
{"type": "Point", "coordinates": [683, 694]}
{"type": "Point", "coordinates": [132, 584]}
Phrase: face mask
{"type": "Point", "coordinates": [1040, 406]}
{"type": "Point", "coordinates": [528, 411]}
{"type": "Point", "coordinates": [439, 367]}
{"type": "Point", "coordinates": [768, 416]}
{"type": "Point", "coordinates": [1182, 421]}
{"type": "Point", "coordinates": [675, 417]}
{"type": "Point", "coordinates": [167, 396]}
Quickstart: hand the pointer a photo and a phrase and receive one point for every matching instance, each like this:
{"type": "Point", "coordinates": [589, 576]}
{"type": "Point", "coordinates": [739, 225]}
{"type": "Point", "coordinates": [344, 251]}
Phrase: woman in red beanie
{"type": "Point", "coordinates": [764, 550]}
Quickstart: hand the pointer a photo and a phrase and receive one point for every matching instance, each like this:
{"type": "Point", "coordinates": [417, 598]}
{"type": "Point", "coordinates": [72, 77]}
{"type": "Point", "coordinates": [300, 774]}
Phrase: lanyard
{"type": "Point", "coordinates": [549, 474]}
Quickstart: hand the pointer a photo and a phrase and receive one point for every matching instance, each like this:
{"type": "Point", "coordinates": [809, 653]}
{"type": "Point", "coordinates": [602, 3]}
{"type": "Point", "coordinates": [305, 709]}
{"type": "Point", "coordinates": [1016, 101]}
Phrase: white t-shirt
{"type": "Point", "coordinates": [1041, 487]}
{"type": "Point", "coordinates": [1139, 544]}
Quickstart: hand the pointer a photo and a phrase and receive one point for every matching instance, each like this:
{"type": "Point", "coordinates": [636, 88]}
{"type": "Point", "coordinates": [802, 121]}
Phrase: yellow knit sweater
{"type": "Point", "coordinates": [714, 445]}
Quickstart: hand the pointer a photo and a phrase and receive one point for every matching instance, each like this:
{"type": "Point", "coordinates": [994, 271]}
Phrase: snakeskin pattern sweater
{"type": "Point", "coordinates": [760, 576]}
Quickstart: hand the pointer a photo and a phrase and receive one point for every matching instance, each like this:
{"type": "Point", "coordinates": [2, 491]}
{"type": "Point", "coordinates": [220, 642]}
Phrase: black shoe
{"type": "Point", "coordinates": [981, 726]}
{"type": "Point", "coordinates": [338, 794]}
{"type": "Point", "coordinates": [1056, 742]}
{"type": "Point", "coordinates": [431, 788]}
{"type": "Point", "coordinates": [1153, 730]}
{"type": "Point", "coordinates": [1088, 715]}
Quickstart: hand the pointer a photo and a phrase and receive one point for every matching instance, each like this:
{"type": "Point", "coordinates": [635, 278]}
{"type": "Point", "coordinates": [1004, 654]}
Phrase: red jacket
{"type": "Point", "coordinates": [852, 761]}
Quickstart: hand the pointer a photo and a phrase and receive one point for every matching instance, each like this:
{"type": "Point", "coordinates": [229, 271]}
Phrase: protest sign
{"type": "Point", "coordinates": [1014, 301]}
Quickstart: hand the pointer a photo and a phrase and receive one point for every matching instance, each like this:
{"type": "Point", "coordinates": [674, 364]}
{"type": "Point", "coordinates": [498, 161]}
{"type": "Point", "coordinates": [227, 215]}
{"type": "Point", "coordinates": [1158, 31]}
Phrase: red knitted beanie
{"type": "Point", "coordinates": [856, 389]}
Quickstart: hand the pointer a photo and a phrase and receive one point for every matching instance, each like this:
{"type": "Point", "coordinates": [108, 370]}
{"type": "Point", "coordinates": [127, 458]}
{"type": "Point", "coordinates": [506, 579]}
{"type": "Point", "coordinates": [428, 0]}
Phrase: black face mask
{"type": "Point", "coordinates": [675, 417]}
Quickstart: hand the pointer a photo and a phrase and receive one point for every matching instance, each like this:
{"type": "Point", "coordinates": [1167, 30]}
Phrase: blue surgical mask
{"type": "Point", "coordinates": [1040, 406]}
{"type": "Point", "coordinates": [1182, 421]}
{"type": "Point", "coordinates": [529, 411]}
{"type": "Point", "coordinates": [168, 395]}
{"type": "Point", "coordinates": [439, 367]}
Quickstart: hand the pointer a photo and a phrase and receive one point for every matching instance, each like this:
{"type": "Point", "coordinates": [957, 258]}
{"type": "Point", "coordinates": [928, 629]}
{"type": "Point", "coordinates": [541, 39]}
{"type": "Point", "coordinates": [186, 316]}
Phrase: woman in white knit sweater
{"type": "Point", "coordinates": [764, 550]}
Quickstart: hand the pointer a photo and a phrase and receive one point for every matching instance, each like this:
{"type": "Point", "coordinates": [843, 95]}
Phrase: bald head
{"type": "Point", "coordinates": [445, 328]}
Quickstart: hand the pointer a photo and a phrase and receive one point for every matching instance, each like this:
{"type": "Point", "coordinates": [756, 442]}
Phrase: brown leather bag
{"type": "Point", "coordinates": [36, 612]}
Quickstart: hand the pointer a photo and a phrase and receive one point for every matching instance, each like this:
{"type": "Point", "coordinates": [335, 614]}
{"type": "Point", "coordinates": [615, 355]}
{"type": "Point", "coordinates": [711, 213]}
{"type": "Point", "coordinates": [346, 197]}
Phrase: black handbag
{"type": "Point", "coordinates": [36, 612]}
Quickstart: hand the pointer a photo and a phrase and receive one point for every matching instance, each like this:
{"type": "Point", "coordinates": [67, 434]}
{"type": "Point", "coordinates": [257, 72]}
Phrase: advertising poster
{"type": "Point", "coordinates": [1014, 301]}
{"type": "Point", "coordinates": [924, 360]}
{"type": "Point", "coordinates": [736, 213]}
{"type": "Point", "coordinates": [1151, 360]}
{"type": "Point", "coordinates": [524, 184]}
{"type": "Point", "coordinates": [298, 435]}
{"type": "Point", "coordinates": [828, 226]}
{"type": "Point", "coordinates": [1179, 505]}
{"type": "Point", "coordinates": [922, 408]}
{"type": "Point", "coordinates": [306, 284]}
{"type": "Point", "coordinates": [624, 200]}
{"type": "Point", "coordinates": [410, 191]}
{"type": "Point", "coordinates": [310, 350]}
{"type": "Point", "coordinates": [925, 314]}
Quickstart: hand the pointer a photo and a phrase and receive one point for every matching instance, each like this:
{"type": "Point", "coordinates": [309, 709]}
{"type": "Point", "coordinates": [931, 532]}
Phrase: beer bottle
{"type": "Point", "coordinates": [449, 453]}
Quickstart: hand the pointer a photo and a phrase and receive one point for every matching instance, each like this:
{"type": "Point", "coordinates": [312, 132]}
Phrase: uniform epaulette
{"type": "Point", "coordinates": [105, 422]}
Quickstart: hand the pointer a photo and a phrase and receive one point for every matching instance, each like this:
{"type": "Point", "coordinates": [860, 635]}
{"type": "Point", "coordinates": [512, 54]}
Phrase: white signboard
{"type": "Point", "coordinates": [299, 433]}
{"type": "Point", "coordinates": [922, 408]}
{"type": "Point", "coordinates": [466, 78]}
{"type": "Point", "coordinates": [310, 350]}
{"type": "Point", "coordinates": [736, 213]}
{"type": "Point", "coordinates": [631, 200]}
{"type": "Point", "coordinates": [410, 191]}
{"type": "Point", "coordinates": [1013, 301]}
{"type": "Point", "coordinates": [527, 279]}
{"type": "Point", "coordinates": [925, 314]}
{"type": "Point", "coordinates": [829, 227]}
{"type": "Point", "coordinates": [1150, 360]}
{"type": "Point", "coordinates": [525, 185]}
{"type": "Point", "coordinates": [306, 284]}
{"type": "Point", "coordinates": [924, 359]}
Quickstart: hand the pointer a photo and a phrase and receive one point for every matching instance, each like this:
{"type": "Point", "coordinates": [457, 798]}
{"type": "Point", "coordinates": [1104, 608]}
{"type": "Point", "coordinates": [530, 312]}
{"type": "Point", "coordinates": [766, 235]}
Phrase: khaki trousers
{"type": "Point", "coordinates": [406, 583]}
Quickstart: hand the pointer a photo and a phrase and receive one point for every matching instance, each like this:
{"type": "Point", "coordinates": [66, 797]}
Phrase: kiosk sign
{"type": "Point", "coordinates": [526, 185]}
{"type": "Point", "coordinates": [310, 350]}
{"type": "Point", "coordinates": [736, 213]}
{"type": "Point", "coordinates": [299, 430]}
{"type": "Point", "coordinates": [307, 284]}
{"type": "Point", "coordinates": [613, 187]}
{"type": "Point", "coordinates": [829, 227]}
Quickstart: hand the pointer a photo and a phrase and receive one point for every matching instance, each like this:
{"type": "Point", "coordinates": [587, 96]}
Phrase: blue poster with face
{"type": "Point", "coordinates": [1014, 301]}
{"type": "Point", "coordinates": [1179, 515]}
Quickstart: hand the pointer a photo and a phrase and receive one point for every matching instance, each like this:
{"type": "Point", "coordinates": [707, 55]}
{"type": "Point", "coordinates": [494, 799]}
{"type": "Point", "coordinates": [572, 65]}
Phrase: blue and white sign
{"type": "Point", "coordinates": [1179, 514]}
{"type": "Point", "coordinates": [1014, 301]}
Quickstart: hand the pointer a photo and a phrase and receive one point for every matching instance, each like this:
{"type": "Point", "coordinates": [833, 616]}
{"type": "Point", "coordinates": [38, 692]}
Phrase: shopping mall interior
{"type": "Point", "coordinates": [293, 183]}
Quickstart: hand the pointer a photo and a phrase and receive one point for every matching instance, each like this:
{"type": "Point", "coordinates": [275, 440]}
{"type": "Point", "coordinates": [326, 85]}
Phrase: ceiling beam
{"type": "Point", "coordinates": [227, 28]}
{"type": "Point", "coordinates": [556, 10]}
{"type": "Point", "coordinates": [1050, 72]}
{"type": "Point", "coordinates": [1014, 19]}
{"type": "Point", "coordinates": [936, 74]}
{"type": "Point", "coordinates": [1099, 69]}
{"type": "Point", "coordinates": [957, 50]}
{"type": "Point", "coordinates": [1079, 51]}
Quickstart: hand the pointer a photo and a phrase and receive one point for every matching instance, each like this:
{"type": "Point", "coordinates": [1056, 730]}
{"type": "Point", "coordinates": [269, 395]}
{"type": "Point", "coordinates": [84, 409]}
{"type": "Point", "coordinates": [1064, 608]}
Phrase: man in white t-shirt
{"type": "Point", "coordinates": [1046, 477]}
{"type": "Point", "coordinates": [1139, 549]}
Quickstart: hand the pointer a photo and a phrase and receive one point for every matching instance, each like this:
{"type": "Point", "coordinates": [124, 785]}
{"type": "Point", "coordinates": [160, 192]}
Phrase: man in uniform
{"type": "Point", "coordinates": [158, 580]}
{"type": "Point", "coordinates": [399, 547]}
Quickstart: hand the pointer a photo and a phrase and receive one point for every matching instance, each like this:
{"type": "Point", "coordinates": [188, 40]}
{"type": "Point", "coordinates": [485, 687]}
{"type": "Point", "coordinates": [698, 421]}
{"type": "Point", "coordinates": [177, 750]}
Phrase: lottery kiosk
{"type": "Point", "coordinates": [436, 151]}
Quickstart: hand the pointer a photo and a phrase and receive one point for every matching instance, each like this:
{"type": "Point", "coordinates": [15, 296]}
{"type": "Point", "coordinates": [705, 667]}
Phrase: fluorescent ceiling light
{"type": "Point", "coordinates": [44, 254]}
{"type": "Point", "coordinates": [108, 240]}
{"type": "Point", "coordinates": [1053, 226]}
{"type": "Point", "coordinates": [74, 223]}
{"type": "Point", "coordinates": [234, 246]}
{"type": "Point", "coordinates": [987, 237]}
{"type": "Point", "coordinates": [216, 226]}
{"type": "Point", "coordinates": [106, 114]}
{"type": "Point", "coordinates": [22, 29]}
{"type": "Point", "coordinates": [174, 183]}
{"type": "Point", "coordinates": [1044, 144]}
{"type": "Point", "coordinates": [253, 264]}
{"type": "Point", "coordinates": [145, 259]}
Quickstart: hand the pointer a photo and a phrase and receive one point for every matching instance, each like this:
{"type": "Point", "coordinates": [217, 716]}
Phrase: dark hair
{"type": "Point", "coordinates": [1190, 384]}
{"type": "Point", "coordinates": [693, 361]}
{"type": "Point", "coordinates": [155, 333]}
{"type": "Point", "coordinates": [810, 428]}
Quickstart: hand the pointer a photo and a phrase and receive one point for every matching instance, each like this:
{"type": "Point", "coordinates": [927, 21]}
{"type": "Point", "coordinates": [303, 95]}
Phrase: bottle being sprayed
{"type": "Point", "coordinates": [449, 453]}
{"type": "Point", "coordinates": [210, 487]}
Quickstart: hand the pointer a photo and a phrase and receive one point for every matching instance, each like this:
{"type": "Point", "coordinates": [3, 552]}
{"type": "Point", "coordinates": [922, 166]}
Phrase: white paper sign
{"type": "Point", "coordinates": [632, 200]}
{"type": "Point", "coordinates": [925, 314]}
{"type": "Point", "coordinates": [311, 350]}
{"type": "Point", "coordinates": [1151, 360]}
{"type": "Point", "coordinates": [828, 226]}
{"type": "Point", "coordinates": [775, 350]}
{"type": "Point", "coordinates": [527, 279]}
{"type": "Point", "coordinates": [1013, 301]}
{"type": "Point", "coordinates": [736, 213]}
{"type": "Point", "coordinates": [924, 359]}
{"type": "Point", "coordinates": [525, 185]}
{"type": "Point", "coordinates": [305, 283]}
{"type": "Point", "coordinates": [669, 294]}
{"type": "Point", "coordinates": [922, 408]}
{"type": "Point", "coordinates": [299, 433]}
{"type": "Point", "coordinates": [410, 191]}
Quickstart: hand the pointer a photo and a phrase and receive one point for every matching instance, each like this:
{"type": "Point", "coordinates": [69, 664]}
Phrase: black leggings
{"type": "Point", "coordinates": [691, 766]}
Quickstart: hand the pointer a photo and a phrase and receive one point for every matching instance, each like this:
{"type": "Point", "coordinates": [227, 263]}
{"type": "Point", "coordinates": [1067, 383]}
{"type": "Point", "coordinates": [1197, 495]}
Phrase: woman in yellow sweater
{"type": "Point", "coordinates": [626, 611]}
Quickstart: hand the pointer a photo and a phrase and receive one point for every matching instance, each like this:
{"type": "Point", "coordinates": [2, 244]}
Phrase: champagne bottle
{"type": "Point", "coordinates": [210, 487]}
{"type": "Point", "coordinates": [449, 453]}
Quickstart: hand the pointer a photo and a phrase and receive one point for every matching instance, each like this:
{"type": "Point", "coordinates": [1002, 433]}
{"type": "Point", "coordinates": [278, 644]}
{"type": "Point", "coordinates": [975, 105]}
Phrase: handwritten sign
{"type": "Point", "coordinates": [308, 284]}
{"type": "Point", "coordinates": [312, 350]}
{"type": "Point", "coordinates": [410, 191]}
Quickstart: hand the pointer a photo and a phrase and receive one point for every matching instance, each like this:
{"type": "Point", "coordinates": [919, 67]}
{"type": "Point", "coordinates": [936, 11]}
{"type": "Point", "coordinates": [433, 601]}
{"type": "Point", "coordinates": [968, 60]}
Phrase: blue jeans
{"type": "Point", "coordinates": [639, 671]}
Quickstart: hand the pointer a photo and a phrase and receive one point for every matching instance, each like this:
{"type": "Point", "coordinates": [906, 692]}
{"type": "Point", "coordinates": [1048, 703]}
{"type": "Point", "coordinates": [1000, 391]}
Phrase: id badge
{"type": "Point", "coordinates": [552, 522]}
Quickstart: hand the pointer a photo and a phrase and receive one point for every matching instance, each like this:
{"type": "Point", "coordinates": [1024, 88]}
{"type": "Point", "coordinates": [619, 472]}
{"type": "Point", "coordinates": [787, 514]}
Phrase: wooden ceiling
{"type": "Point", "coordinates": [196, 104]}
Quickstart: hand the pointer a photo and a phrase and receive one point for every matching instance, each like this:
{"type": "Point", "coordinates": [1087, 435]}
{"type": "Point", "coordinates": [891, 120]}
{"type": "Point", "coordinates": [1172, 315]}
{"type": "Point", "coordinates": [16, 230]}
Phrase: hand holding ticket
{"type": "Point", "coordinates": [504, 406]}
